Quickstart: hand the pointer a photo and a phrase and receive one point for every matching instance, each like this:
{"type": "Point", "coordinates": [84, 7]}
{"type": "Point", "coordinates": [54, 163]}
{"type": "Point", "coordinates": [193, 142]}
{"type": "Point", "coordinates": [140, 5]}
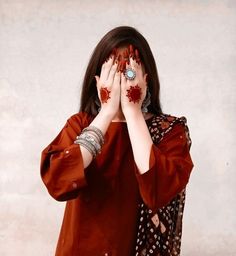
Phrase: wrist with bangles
{"type": "Point", "coordinates": [92, 139]}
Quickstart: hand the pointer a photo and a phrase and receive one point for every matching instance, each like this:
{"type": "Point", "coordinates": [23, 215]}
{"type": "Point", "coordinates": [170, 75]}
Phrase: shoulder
{"type": "Point", "coordinates": [77, 121]}
{"type": "Point", "coordinates": [164, 121]}
{"type": "Point", "coordinates": [167, 125]}
{"type": "Point", "coordinates": [80, 118]}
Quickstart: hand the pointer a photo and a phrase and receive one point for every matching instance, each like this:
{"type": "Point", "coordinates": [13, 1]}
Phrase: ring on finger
{"type": "Point", "coordinates": [130, 74]}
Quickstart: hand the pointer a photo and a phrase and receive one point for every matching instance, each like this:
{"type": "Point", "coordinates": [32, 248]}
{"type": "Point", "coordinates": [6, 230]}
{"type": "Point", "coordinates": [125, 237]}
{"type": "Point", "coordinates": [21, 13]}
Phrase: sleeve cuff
{"type": "Point", "coordinates": [152, 162]}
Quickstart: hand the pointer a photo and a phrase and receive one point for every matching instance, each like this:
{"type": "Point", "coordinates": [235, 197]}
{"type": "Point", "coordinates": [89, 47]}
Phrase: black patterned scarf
{"type": "Point", "coordinates": [159, 233]}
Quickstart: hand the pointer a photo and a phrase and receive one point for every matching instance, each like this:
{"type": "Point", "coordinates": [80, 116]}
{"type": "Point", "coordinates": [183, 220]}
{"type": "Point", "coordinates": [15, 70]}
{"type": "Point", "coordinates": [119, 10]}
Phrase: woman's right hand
{"type": "Point", "coordinates": [108, 86]}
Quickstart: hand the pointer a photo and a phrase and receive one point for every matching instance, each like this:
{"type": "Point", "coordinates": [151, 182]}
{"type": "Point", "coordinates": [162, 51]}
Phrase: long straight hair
{"type": "Point", "coordinates": [118, 37]}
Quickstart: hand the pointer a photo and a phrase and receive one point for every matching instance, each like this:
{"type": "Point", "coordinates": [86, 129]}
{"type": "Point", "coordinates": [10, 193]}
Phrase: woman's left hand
{"type": "Point", "coordinates": [133, 92]}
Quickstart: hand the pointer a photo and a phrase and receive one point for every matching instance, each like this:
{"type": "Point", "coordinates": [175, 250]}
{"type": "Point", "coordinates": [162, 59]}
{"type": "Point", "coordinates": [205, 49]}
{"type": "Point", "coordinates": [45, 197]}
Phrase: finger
{"type": "Point", "coordinates": [106, 67]}
{"type": "Point", "coordinates": [112, 53]}
{"type": "Point", "coordinates": [134, 54]}
{"type": "Point", "coordinates": [126, 55]}
{"type": "Point", "coordinates": [137, 76]}
{"type": "Point", "coordinates": [117, 79]}
{"type": "Point", "coordinates": [112, 73]}
{"type": "Point", "coordinates": [119, 62]}
{"type": "Point", "coordinates": [97, 80]}
{"type": "Point", "coordinates": [137, 68]}
{"type": "Point", "coordinates": [122, 65]}
{"type": "Point", "coordinates": [98, 86]}
{"type": "Point", "coordinates": [146, 78]}
{"type": "Point", "coordinates": [123, 81]}
{"type": "Point", "coordinates": [131, 51]}
{"type": "Point", "coordinates": [134, 64]}
{"type": "Point", "coordinates": [137, 57]}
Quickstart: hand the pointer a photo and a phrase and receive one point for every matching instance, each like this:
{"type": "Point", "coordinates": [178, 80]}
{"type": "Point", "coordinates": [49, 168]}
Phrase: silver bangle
{"type": "Point", "coordinates": [91, 134]}
{"type": "Point", "coordinates": [91, 140]}
{"type": "Point", "coordinates": [87, 145]}
{"type": "Point", "coordinates": [97, 131]}
{"type": "Point", "coordinates": [94, 135]}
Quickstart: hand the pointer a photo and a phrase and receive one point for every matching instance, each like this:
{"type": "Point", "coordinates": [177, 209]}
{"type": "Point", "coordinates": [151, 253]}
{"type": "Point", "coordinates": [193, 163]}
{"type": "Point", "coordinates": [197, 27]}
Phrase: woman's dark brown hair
{"type": "Point", "coordinates": [118, 37]}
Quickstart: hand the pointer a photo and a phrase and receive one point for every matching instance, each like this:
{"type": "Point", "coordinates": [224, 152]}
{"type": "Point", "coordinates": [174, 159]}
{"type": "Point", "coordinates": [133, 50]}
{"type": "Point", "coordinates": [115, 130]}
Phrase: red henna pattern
{"type": "Point", "coordinates": [105, 94]}
{"type": "Point", "coordinates": [134, 93]}
{"type": "Point", "coordinates": [122, 65]}
{"type": "Point", "coordinates": [137, 56]}
{"type": "Point", "coordinates": [129, 52]}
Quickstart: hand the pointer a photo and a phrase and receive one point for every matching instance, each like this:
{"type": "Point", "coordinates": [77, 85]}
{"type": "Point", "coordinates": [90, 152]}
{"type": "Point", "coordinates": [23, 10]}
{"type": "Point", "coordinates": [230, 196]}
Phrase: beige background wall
{"type": "Point", "coordinates": [44, 50]}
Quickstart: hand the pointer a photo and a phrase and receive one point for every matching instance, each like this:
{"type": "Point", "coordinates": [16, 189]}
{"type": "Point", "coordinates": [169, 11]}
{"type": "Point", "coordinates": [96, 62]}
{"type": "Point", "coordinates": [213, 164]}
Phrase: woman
{"type": "Point", "coordinates": [119, 160]}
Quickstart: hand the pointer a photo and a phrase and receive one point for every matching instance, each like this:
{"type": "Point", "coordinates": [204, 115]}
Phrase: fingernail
{"type": "Point", "coordinates": [137, 56]}
{"type": "Point", "coordinates": [123, 65]}
{"type": "Point", "coordinates": [131, 49]}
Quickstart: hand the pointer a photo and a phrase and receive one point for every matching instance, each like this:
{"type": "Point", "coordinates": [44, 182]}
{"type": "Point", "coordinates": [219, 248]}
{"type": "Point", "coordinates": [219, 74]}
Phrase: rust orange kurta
{"type": "Point", "coordinates": [101, 211]}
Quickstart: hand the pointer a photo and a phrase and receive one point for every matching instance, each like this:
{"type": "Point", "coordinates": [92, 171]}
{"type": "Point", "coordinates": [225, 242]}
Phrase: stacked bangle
{"type": "Point", "coordinates": [97, 131]}
{"type": "Point", "coordinates": [92, 139]}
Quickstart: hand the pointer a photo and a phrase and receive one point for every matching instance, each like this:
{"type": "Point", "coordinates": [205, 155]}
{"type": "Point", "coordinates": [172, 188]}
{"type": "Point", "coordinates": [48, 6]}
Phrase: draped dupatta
{"type": "Point", "coordinates": [159, 232]}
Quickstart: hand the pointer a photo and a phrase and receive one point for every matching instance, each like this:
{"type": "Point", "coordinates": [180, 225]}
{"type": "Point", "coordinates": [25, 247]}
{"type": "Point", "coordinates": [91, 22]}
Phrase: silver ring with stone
{"type": "Point", "coordinates": [130, 74]}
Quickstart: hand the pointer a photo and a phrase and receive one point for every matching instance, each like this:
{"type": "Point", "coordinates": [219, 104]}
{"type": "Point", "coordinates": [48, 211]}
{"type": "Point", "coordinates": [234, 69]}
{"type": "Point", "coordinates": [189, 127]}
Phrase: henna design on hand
{"type": "Point", "coordinates": [134, 93]}
{"type": "Point", "coordinates": [137, 58]}
{"type": "Point", "coordinates": [134, 54]}
{"type": "Point", "coordinates": [131, 51]}
{"type": "Point", "coordinates": [105, 94]}
{"type": "Point", "coordinates": [124, 58]}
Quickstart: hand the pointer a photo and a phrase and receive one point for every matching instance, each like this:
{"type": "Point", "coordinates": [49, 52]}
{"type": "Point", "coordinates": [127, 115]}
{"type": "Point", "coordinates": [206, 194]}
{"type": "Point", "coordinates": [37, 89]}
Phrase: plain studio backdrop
{"type": "Point", "coordinates": [44, 50]}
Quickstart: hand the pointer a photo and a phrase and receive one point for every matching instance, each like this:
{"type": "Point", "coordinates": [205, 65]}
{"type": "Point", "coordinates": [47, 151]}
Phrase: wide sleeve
{"type": "Point", "coordinates": [61, 166]}
{"type": "Point", "coordinates": [170, 165]}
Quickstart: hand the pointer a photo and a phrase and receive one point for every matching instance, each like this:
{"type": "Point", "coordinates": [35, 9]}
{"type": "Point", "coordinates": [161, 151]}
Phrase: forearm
{"type": "Point", "coordinates": [141, 140]}
{"type": "Point", "coordinates": [101, 121]}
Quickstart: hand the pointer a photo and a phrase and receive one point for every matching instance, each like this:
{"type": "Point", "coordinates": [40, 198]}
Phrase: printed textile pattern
{"type": "Point", "coordinates": [159, 233]}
